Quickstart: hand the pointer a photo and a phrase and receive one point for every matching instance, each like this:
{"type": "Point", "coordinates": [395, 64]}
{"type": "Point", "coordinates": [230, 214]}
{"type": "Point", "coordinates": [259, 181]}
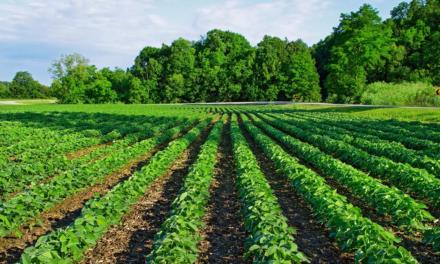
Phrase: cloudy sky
{"type": "Point", "coordinates": [111, 32]}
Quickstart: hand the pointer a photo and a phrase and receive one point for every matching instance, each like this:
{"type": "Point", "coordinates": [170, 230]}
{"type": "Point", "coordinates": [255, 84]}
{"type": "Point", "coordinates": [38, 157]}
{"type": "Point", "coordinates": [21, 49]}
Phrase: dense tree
{"type": "Point", "coordinates": [148, 67]}
{"type": "Point", "coordinates": [416, 27]}
{"type": "Point", "coordinates": [100, 90]}
{"type": "Point", "coordinates": [71, 74]}
{"type": "Point", "coordinates": [360, 46]}
{"type": "Point", "coordinates": [362, 49]}
{"type": "Point", "coordinates": [128, 88]}
{"type": "Point", "coordinates": [321, 53]}
{"type": "Point", "coordinates": [24, 86]}
{"type": "Point", "coordinates": [284, 71]}
{"type": "Point", "coordinates": [179, 72]}
{"type": "Point", "coordinates": [137, 93]}
{"type": "Point", "coordinates": [223, 66]}
{"type": "Point", "coordinates": [4, 90]}
{"type": "Point", "coordinates": [225, 60]}
{"type": "Point", "coordinates": [302, 77]}
{"type": "Point", "coordinates": [268, 74]}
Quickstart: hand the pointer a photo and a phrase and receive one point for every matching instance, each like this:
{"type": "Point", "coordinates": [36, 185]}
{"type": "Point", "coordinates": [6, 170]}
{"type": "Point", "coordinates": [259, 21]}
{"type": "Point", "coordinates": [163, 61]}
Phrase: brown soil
{"type": "Point", "coordinates": [85, 151]}
{"type": "Point", "coordinates": [312, 238]}
{"type": "Point", "coordinates": [411, 241]}
{"type": "Point", "coordinates": [132, 240]}
{"type": "Point", "coordinates": [65, 212]}
{"type": "Point", "coordinates": [70, 156]}
{"type": "Point", "coordinates": [224, 234]}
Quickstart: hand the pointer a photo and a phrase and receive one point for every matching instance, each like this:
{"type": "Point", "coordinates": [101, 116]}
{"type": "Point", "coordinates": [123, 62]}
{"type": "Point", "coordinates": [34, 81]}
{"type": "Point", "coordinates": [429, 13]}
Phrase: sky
{"type": "Point", "coordinates": [34, 33]}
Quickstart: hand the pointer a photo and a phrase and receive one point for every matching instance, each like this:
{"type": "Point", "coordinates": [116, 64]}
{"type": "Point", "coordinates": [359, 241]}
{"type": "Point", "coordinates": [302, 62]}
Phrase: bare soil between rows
{"type": "Point", "coordinates": [411, 241]}
{"type": "Point", "coordinates": [224, 233]}
{"type": "Point", "coordinates": [132, 240]}
{"type": "Point", "coordinates": [312, 238]}
{"type": "Point", "coordinates": [64, 213]}
{"type": "Point", "coordinates": [82, 152]}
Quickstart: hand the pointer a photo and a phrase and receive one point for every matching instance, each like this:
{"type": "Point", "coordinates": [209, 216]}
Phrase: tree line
{"type": "Point", "coordinates": [364, 49]}
{"type": "Point", "coordinates": [224, 66]}
{"type": "Point", "coordinates": [23, 86]}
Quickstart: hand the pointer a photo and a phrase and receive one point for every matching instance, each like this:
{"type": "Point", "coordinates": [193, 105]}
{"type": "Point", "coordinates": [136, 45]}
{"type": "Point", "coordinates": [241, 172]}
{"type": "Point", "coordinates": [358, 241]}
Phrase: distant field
{"type": "Point", "coordinates": [219, 183]}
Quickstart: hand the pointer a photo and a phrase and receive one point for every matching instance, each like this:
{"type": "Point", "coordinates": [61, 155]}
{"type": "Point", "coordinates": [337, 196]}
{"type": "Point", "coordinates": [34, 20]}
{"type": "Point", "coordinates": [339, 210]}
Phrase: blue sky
{"type": "Point", "coordinates": [33, 33]}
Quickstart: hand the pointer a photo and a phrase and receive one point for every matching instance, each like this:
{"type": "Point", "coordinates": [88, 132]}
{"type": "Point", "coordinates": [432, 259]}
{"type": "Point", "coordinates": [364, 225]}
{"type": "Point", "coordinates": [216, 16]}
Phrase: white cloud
{"type": "Point", "coordinates": [283, 18]}
{"type": "Point", "coordinates": [101, 24]}
{"type": "Point", "coordinates": [112, 32]}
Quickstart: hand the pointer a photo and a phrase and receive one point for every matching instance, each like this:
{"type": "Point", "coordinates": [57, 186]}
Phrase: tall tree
{"type": "Point", "coordinates": [285, 70]}
{"type": "Point", "coordinates": [100, 91]}
{"type": "Point", "coordinates": [302, 77]}
{"type": "Point", "coordinates": [416, 26]}
{"type": "Point", "coordinates": [179, 72]}
{"type": "Point", "coordinates": [225, 60]}
{"type": "Point", "coordinates": [4, 90]}
{"type": "Point", "coordinates": [148, 67]}
{"type": "Point", "coordinates": [71, 73]}
{"type": "Point", "coordinates": [24, 86]}
{"type": "Point", "coordinates": [362, 45]}
{"type": "Point", "coordinates": [268, 74]}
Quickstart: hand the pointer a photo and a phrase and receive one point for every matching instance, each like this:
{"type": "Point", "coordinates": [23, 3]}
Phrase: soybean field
{"type": "Point", "coordinates": [217, 184]}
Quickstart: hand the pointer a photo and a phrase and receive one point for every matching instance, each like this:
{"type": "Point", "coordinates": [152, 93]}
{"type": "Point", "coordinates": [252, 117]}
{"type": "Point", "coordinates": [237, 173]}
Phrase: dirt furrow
{"type": "Point", "coordinates": [312, 238]}
{"type": "Point", "coordinates": [65, 212]}
{"type": "Point", "coordinates": [411, 242]}
{"type": "Point", "coordinates": [82, 152]}
{"type": "Point", "coordinates": [224, 234]}
{"type": "Point", "coordinates": [132, 240]}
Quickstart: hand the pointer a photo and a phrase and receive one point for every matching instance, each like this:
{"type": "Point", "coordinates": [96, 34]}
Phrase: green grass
{"type": "Point", "coordinates": [398, 113]}
{"type": "Point", "coordinates": [401, 94]}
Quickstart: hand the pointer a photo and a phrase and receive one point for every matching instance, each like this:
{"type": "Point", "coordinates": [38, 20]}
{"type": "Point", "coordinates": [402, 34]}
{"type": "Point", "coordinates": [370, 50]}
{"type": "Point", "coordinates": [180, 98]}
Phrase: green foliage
{"type": "Point", "coordinates": [352, 231]}
{"type": "Point", "coordinates": [412, 180]}
{"type": "Point", "coordinates": [223, 66]}
{"type": "Point", "coordinates": [270, 238]}
{"type": "Point", "coordinates": [77, 82]}
{"type": "Point", "coordinates": [406, 212]}
{"type": "Point", "coordinates": [28, 205]}
{"type": "Point", "coordinates": [363, 50]}
{"type": "Point", "coordinates": [416, 27]}
{"type": "Point", "coordinates": [432, 236]}
{"type": "Point", "coordinates": [68, 245]}
{"type": "Point", "coordinates": [4, 90]}
{"type": "Point", "coordinates": [225, 60]}
{"type": "Point", "coordinates": [400, 94]}
{"type": "Point", "coordinates": [23, 86]}
{"type": "Point", "coordinates": [177, 241]}
{"type": "Point", "coordinates": [284, 71]}
{"type": "Point", "coordinates": [360, 46]}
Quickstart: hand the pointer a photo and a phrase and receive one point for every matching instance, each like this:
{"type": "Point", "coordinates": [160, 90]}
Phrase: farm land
{"type": "Point", "coordinates": [219, 184]}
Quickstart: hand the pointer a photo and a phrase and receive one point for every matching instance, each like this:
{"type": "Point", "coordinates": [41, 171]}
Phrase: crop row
{"type": "Point", "coordinates": [404, 211]}
{"type": "Point", "coordinates": [417, 182]}
{"type": "Point", "coordinates": [270, 238]}
{"type": "Point", "coordinates": [429, 148]}
{"type": "Point", "coordinates": [59, 142]}
{"type": "Point", "coordinates": [68, 245]}
{"type": "Point", "coordinates": [178, 238]}
{"type": "Point", "coordinates": [432, 236]}
{"type": "Point", "coordinates": [412, 125]}
{"type": "Point", "coordinates": [15, 178]}
{"type": "Point", "coordinates": [352, 231]}
{"type": "Point", "coordinates": [393, 127]}
{"type": "Point", "coordinates": [377, 146]}
{"type": "Point", "coordinates": [29, 204]}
